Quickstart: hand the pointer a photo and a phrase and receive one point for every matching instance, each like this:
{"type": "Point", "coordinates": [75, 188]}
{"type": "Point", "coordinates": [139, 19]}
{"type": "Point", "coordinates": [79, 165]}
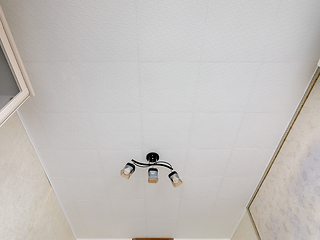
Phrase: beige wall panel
{"type": "Point", "coordinates": [24, 188]}
{"type": "Point", "coordinates": [245, 230]}
{"type": "Point", "coordinates": [287, 206]}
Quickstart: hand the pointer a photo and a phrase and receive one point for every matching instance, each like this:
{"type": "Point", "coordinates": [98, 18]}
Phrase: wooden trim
{"type": "Point", "coordinates": [313, 81]}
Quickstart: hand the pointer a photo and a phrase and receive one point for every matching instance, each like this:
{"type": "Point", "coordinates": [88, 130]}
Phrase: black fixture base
{"type": "Point", "coordinates": [152, 157]}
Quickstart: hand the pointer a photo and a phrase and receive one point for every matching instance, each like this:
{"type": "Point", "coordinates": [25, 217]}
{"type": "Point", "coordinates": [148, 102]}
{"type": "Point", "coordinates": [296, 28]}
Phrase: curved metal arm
{"type": "Point", "coordinates": [162, 164]}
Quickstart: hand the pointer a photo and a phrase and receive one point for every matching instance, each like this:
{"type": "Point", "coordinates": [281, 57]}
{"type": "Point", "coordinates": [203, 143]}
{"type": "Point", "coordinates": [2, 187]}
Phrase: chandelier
{"type": "Point", "coordinates": [153, 160]}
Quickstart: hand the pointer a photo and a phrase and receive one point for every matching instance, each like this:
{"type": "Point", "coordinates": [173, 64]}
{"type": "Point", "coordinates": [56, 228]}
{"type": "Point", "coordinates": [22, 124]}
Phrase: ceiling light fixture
{"type": "Point", "coordinates": [153, 159]}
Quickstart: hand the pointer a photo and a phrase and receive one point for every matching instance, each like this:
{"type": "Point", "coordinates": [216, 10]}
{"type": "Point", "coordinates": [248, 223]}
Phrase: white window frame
{"type": "Point", "coordinates": [14, 60]}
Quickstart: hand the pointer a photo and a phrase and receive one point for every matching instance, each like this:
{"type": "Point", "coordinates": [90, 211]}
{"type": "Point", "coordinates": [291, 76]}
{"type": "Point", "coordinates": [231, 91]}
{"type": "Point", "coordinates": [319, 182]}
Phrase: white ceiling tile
{"type": "Point", "coordinates": [171, 30]}
{"type": "Point", "coordinates": [222, 227]}
{"type": "Point", "coordinates": [237, 188]}
{"type": "Point", "coordinates": [51, 163]}
{"type": "Point", "coordinates": [67, 130]}
{"type": "Point", "coordinates": [163, 189]}
{"type": "Point", "coordinates": [229, 208]}
{"type": "Point", "coordinates": [167, 87]}
{"type": "Point", "coordinates": [191, 227]}
{"type": "Point", "coordinates": [131, 227]}
{"type": "Point", "coordinates": [238, 31]}
{"type": "Point", "coordinates": [35, 130]}
{"type": "Point", "coordinates": [57, 87]}
{"type": "Point", "coordinates": [63, 193]}
{"type": "Point", "coordinates": [166, 130]}
{"type": "Point", "coordinates": [117, 130]}
{"type": "Point", "coordinates": [196, 208]}
{"type": "Point", "coordinates": [207, 162]}
{"type": "Point", "coordinates": [262, 130]}
{"type": "Point", "coordinates": [104, 31]}
{"type": "Point", "coordinates": [110, 86]}
{"type": "Point", "coordinates": [79, 163]}
{"type": "Point", "coordinates": [297, 24]}
{"type": "Point", "coordinates": [121, 188]}
{"type": "Point", "coordinates": [87, 188]}
{"type": "Point", "coordinates": [112, 161]}
{"type": "Point", "coordinates": [78, 228]}
{"type": "Point", "coordinates": [128, 207]}
{"type": "Point", "coordinates": [280, 86]}
{"type": "Point", "coordinates": [214, 130]}
{"type": "Point", "coordinates": [100, 227]}
{"type": "Point", "coordinates": [248, 162]}
{"type": "Point", "coordinates": [225, 86]}
{"type": "Point", "coordinates": [162, 208]}
{"type": "Point", "coordinates": [201, 187]}
{"type": "Point", "coordinates": [94, 209]}
{"type": "Point", "coordinates": [161, 226]}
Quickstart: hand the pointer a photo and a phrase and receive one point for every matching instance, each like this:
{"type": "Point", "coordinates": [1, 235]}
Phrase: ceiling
{"type": "Point", "coordinates": [210, 85]}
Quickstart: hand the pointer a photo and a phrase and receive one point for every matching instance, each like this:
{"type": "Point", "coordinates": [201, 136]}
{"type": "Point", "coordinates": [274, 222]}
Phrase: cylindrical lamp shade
{"type": "Point", "coordinates": [127, 171]}
{"type": "Point", "coordinates": [152, 175]}
{"type": "Point", "coordinates": [175, 180]}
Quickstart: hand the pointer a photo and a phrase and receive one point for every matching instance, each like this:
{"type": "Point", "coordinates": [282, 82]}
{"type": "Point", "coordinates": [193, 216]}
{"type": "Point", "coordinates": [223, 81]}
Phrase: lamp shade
{"type": "Point", "coordinates": [152, 175]}
{"type": "Point", "coordinates": [127, 171]}
{"type": "Point", "coordinates": [175, 180]}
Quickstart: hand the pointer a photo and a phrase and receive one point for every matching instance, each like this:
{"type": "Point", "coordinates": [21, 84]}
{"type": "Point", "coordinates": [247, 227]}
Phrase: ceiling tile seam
{"type": "Point", "coordinates": [224, 172]}
{"type": "Point", "coordinates": [140, 103]}
{"type": "Point", "coordinates": [204, 32]}
{"type": "Point", "coordinates": [191, 125]}
{"type": "Point", "coordinates": [267, 44]}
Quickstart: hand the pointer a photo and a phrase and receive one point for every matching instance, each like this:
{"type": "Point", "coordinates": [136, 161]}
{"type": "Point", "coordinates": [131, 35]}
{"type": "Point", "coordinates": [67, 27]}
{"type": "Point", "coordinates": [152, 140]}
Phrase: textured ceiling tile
{"type": "Point", "coordinates": [69, 31]}
{"type": "Point", "coordinates": [196, 208]}
{"type": "Point", "coordinates": [130, 227]}
{"type": "Point", "coordinates": [191, 227]}
{"type": "Point", "coordinates": [200, 187]}
{"type": "Point", "coordinates": [166, 130]}
{"type": "Point", "coordinates": [164, 227]}
{"type": "Point", "coordinates": [79, 163]}
{"type": "Point", "coordinates": [35, 130]}
{"type": "Point", "coordinates": [67, 130]}
{"type": "Point", "coordinates": [171, 30]}
{"type": "Point", "coordinates": [298, 24]}
{"type": "Point", "coordinates": [229, 208]}
{"type": "Point", "coordinates": [262, 130]}
{"type": "Point", "coordinates": [94, 209]}
{"type": "Point", "coordinates": [221, 227]}
{"type": "Point", "coordinates": [122, 207]}
{"type": "Point", "coordinates": [248, 161]}
{"type": "Point", "coordinates": [100, 227]}
{"type": "Point", "coordinates": [238, 30]}
{"type": "Point", "coordinates": [207, 162]}
{"type": "Point", "coordinates": [162, 208]}
{"type": "Point", "coordinates": [78, 228]}
{"type": "Point", "coordinates": [167, 87]}
{"type": "Point", "coordinates": [63, 193]}
{"type": "Point", "coordinates": [110, 86]}
{"type": "Point", "coordinates": [214, 130]}
{"type": "Point", "coordinates": [51, 163]}
{"type": "Point", "coordinates": [279, 86]}
{"type": "Point", "coordinates": [117, 130]}
{"type": "Point", "coordinates": [121, 188]}
{"type": "Point", "coordinates": [225, 86]}
{"type": "Point", "coordinates": [87, 188]}
{"type": "Point", "coordinates": [57, 87]}
{"type": "Point", "coordinates": [237, 188]}
{"type": "Point", "coordinates": [162, 190]}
